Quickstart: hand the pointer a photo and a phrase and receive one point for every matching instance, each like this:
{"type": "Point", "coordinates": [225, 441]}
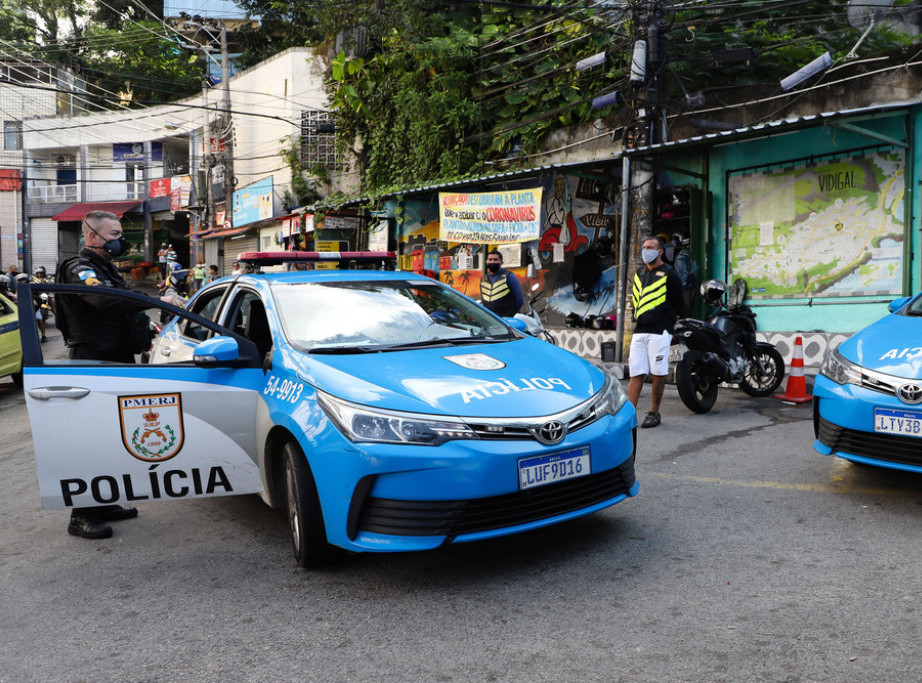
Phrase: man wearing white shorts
{"type": "Point", "coordinates": [657, 304]}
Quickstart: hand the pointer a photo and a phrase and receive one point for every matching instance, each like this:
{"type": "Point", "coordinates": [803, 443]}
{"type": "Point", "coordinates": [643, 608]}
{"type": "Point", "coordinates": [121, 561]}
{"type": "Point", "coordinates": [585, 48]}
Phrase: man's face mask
{"type": "Point", "coordinates": [494, 267]}
{"type": "Point", "coordinates": [649, 255]}
{"type": "Point", "coordinates": [114, 248]}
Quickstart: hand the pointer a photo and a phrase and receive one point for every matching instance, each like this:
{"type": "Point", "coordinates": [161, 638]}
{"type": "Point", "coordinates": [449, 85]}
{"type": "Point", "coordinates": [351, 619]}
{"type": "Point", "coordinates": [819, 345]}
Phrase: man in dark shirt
{"type": "Point", "coordinates": [98, 328]}
{"type": "Point", "coordinates": [657, 304]}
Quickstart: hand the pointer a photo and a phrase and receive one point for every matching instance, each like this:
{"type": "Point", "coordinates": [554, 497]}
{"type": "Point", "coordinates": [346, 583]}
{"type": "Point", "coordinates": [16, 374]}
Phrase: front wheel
{"type": "Point", "coordinates": [698, 390]}
{"type": "Point", "coordinates": [305, 518]}
{"type": "Point", "coordinates": [764, 371]}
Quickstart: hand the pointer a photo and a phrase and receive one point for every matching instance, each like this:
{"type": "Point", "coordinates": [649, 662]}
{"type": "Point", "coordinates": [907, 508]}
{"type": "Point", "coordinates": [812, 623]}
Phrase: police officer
{"type": "Point", "coordinates": [99, 328]}
{"type": "Point", "coordinates": [500, 290]}
{"type": "Point", "coordinates": [657, 303]}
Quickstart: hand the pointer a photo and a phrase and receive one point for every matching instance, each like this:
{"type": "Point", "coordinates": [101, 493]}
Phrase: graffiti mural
{"type": "Point", "coordinates": [579, 223]}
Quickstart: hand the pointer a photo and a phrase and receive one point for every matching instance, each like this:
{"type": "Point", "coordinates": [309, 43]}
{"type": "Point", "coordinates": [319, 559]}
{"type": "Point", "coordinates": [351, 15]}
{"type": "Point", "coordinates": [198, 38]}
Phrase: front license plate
{"type": "Point", "coordinates": [547, 469]}
{"type": "Point", "coordinates": [902, 422]}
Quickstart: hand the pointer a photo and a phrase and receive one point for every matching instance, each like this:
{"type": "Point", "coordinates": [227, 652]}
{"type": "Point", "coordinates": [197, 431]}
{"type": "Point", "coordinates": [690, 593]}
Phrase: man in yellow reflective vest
{"type": "Point", "coordinates": [500, 290]}
{"type": "Point", "coordinates": [657, 304]}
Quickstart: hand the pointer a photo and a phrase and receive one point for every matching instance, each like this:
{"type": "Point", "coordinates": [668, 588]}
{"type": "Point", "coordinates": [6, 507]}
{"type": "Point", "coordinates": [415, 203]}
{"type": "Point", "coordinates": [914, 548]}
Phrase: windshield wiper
{"type": "Point", "coordinates": [479, 340]}
{"type": "Point", "coordinates": [343, 349]}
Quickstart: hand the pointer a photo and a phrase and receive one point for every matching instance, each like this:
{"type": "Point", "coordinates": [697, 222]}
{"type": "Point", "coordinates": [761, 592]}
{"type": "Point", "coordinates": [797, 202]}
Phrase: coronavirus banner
{"type": "Point", "coordinates": [490, 217]}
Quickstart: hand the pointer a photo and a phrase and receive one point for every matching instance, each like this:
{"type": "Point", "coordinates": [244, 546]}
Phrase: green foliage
{"type": "Point", "coordinates": [154, 69]}
{"type": "Point", "coordinates": [439, 99]}
{"type": "Point", "coordinates": [302, 192]}
{"type": "Point", "coordinates": [115, 47]}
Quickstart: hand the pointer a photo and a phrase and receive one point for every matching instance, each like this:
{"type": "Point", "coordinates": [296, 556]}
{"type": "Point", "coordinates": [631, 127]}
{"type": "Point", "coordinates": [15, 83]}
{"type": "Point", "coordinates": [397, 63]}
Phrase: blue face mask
{"type": "Point", "coordinates": [649, 255]}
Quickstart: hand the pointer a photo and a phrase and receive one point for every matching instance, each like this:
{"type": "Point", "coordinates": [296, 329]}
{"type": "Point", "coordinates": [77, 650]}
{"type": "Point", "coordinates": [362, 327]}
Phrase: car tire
{"type": "Point", "coordinates": [17, 378]}
{"type": "Point", "coordinates": [305, 518]}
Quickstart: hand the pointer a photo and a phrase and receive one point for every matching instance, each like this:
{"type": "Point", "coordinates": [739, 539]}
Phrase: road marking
{"type": "Point", "coordinates": [837, 484]}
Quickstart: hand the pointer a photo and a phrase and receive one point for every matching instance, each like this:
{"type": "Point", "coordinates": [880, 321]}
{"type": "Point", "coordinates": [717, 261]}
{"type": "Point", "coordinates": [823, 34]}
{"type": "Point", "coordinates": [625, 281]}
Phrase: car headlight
{"type": "Point", "coordinates": [361, 423]}
{"type": "Point", "coordinates": [610, 399]}
{"type": "Point", "coordinates": [840, 370]}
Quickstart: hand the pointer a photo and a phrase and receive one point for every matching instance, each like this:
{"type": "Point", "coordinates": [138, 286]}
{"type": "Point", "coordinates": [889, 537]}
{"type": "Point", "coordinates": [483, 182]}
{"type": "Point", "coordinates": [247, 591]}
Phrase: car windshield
{"type": "Point", "coordinates": [334, 317]}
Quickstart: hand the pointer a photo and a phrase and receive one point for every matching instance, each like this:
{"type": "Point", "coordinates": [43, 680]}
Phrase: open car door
{"type": "Point", "coordinates": [107, 433]}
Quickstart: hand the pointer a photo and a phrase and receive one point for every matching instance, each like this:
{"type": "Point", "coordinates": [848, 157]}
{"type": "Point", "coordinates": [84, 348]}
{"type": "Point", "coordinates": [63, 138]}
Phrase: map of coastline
{"type": "Point", "coordinates": [833, 229]}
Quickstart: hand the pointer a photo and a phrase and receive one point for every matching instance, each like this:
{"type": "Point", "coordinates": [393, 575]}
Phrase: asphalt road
{"type": "Point", "coordinates": [746, 556]}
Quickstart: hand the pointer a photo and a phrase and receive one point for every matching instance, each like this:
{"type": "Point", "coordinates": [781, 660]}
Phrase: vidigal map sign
{"type": "Point", "coordinates": [834, 228]}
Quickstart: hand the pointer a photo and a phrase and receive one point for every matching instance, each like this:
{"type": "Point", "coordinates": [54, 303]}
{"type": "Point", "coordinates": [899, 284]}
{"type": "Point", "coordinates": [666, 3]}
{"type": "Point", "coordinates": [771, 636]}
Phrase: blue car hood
{"type": "Point", "coordinates": [892, 345]}
{"type": "Point", "coordinates": [535, 379]}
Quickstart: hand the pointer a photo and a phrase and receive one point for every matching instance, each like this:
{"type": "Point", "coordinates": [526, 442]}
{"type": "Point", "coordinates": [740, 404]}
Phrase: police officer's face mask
{"type": "Point", "coordinates": [114, 248]}
{"type": "Point", "coordinates": [494, 267]}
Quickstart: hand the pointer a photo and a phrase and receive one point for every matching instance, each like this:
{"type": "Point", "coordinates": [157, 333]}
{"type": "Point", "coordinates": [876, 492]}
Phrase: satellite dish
{"type": "Point", "coordinates": [865, 14]}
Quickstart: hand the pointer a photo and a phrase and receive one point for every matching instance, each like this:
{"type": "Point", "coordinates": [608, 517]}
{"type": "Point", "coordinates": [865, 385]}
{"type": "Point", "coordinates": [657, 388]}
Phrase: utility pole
{"type": "Point", "coordinates": [638, 179]}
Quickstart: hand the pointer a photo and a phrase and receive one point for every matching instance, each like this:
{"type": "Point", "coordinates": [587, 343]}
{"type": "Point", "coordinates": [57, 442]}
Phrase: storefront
{"type": "Point", "coordinates": [814, 213]}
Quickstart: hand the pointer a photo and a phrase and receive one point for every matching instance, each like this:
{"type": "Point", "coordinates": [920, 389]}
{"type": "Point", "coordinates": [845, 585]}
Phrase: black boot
{"type": "Point", "coordinates": [85, 524]}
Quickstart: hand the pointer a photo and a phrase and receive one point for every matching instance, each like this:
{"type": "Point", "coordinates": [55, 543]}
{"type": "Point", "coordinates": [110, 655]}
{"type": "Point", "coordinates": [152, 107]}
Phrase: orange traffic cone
{"type": "Point", "coordinates": [797, 383]}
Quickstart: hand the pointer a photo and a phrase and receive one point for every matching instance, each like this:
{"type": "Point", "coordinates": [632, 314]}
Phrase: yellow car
{"type": "Point", "coordinates": [10, 347]}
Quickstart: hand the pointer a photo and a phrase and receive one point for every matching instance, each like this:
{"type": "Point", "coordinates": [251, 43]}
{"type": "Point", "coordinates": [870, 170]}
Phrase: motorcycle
{"type": "Point", "coordinates": [532, 318]}
{"type": "Point", "coordinates": [724, 349]}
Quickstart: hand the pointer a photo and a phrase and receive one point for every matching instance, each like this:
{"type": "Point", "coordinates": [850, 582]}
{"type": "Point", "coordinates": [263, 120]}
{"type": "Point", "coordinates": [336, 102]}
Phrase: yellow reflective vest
{"type": "Point", "coordinates": [655, 309]}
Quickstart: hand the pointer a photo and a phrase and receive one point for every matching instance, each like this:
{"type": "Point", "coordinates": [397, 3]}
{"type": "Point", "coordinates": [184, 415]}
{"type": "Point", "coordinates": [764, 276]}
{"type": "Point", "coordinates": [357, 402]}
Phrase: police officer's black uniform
{"type": "Point", "coordinates": [97, 328]}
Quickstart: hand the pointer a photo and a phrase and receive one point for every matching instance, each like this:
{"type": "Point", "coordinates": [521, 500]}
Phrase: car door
{"type": "Point", "coordinates": [109, 433]}
{"type": "Point", "coordinates": [10, 353]}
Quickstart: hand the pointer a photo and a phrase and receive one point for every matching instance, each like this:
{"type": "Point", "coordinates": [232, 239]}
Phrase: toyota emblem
{"type": "Point", "coordinates": [551, 432]}
{"type": "Point", "coordinates": [910, 393]}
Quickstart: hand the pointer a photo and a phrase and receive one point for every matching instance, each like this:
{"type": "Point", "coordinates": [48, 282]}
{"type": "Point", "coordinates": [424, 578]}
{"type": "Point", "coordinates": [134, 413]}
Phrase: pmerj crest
{"type": "Point", "coordinates": [152, 428]}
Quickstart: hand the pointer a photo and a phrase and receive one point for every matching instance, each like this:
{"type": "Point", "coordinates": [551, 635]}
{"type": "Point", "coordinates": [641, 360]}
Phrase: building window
{"type": "Point", "coordinates": [12, 135]}
{"type": "Point", "coordinates": [318, 140]}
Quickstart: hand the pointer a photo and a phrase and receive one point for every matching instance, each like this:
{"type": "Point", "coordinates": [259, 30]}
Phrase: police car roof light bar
{"type": "Point", "coordinates": [274, 258]}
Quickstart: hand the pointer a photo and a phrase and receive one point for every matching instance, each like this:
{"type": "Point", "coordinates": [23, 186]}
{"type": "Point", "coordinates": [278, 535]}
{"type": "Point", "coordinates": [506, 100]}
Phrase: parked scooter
{"type": "Point", "coordinates": [724, 349]}
{"type": "Point", "coordinates": [532, 318]}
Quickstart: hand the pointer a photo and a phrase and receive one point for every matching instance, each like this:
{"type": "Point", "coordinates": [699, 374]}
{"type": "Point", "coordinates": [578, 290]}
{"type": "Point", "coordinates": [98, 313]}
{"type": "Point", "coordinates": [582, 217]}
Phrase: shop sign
{"type": "Point", "coordinates": [10, 180]}
{"type": "Point", "coordinates": [134, 151]}
{"type": "Point", "coordinates": [253, 203]}
{"type": "Point", "coordinates": [159, 188]}
{"type": "Point", "coordinates": [180, 191]}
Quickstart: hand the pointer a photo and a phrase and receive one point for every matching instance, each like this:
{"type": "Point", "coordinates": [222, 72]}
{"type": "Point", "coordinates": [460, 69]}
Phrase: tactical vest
{"type": "Point", "coordinates": [497, 296]}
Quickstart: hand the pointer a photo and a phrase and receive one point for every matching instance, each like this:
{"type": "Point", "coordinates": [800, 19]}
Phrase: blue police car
{"type": "Point", "coordinates": [383, 410]}
{"type": "Point", "coordinates": [868, 396]}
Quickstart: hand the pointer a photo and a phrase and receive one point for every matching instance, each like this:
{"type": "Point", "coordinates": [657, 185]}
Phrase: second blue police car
{"type": "Point", "coordinates": [383, 410]}
{"type": "Point", "coordinates": [868, 396]}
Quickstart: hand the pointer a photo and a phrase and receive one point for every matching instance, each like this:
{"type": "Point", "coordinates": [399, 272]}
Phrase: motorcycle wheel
{"type": "Point", "coordinates": [697, 391]}
{"type": "Point", "coordinates": [763, 383]}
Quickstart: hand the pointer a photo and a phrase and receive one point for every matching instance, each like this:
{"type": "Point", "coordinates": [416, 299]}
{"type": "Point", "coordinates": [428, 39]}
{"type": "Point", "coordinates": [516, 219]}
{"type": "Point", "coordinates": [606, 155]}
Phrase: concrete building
{"type": "Point", "coordinates": [164, 169]}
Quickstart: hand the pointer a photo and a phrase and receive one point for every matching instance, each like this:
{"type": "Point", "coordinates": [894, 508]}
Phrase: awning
{"type": "Point", "coordinates": [76, 212]}
{"type": "Point", "coordinates": [229, 232]}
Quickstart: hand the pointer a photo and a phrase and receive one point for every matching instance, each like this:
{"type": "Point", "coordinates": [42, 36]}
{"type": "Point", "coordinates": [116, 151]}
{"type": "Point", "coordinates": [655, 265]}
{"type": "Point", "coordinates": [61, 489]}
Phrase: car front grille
{"type": "Point", "coordinates": [499, 432]}
{"type": "Point", "coordinates": [456, 517]}
{"type": "Point", "coordinates": [904, 450]}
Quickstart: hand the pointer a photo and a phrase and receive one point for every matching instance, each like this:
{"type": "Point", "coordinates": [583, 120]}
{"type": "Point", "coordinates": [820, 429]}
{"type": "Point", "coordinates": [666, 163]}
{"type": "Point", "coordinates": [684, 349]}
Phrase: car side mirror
{"type": "Point", "coordinates": [216, 350]}
{"type": "Point", "coordinates": [897, 304]}
{"type": "Point", "coordinates": [516, 324]}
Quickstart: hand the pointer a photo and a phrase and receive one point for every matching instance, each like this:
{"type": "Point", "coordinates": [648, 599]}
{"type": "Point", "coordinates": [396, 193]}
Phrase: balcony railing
{"type": "Point", "coordinates": [52, 194]}
{"type": "Point", "coordinates": [96, 192]}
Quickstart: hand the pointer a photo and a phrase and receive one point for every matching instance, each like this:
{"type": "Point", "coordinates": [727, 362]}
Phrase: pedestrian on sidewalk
{"type": "Point", "coordinates": [657, 304]}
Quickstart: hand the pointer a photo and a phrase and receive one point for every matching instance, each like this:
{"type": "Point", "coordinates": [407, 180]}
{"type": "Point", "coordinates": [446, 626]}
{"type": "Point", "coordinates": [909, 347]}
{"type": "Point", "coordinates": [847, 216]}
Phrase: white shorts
{"type": "Point", "coordinates": [649, 354]}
